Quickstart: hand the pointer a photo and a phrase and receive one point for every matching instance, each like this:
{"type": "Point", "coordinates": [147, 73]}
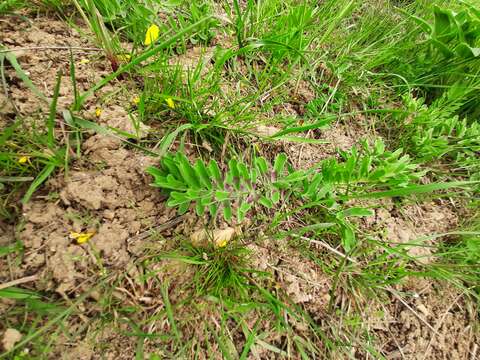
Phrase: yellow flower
{"type": "Point", "coordinates": [152, 34]}
{"type": "Point", "coordinates": [124, 57]}
{"type": "Point", "coordinates": [84, 61]}
{"type": "Point", "coordinates": [170, 103]}
{"type": "Point", "coordinates": [222, 243]}
{"type": "Point", "coordinates": [98, 112]}
{"type": "Point", "coordinates": [136, 100]}
{"type": "Point", "coordinates": [81, 238]}
{"type": "Point", "coordinates": [23, 159]}
{"type": "Point", "coordinates": [222, 237]}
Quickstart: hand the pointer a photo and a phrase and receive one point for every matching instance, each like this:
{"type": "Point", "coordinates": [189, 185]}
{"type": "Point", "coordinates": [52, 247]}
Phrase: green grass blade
{"type": "Point", "coordinates": [53, 113]}
{"type": "Point", "coordinates": [169, 311]}
{"type": "Point", "coordinates": [44, 174]}
{"type": "Point", "coordinates": [22, 75]}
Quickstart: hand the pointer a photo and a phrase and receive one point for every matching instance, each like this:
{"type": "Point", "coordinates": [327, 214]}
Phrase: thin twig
{"type": "Point", "coordinates": [19, 281]}
{"type": "Point", "coordinates": [474, 352]}
{"type": "Point", "coordinates": [328, 247]}
{"type": "Point", "coordinates": [399, 298]}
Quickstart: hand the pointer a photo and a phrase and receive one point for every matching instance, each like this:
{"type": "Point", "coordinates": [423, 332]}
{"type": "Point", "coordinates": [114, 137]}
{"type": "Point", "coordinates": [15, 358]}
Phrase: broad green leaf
{"type": "Point", "coordinates": [243, 210]}
{"type": "Point", "coordinates": [168, 140]}
{"type": "Point", "coordinates": [275, 197]}
{"type": "Point", "coordinates": [200, 209]}
{"type": "Point", "coordinates": [443, 21]}
{"type": "Point", "coordinates": [261, 165]}
{"type": "Point", "coordinates": [183, 208]}
{"type": "Point", "coordinates": [279, 164]}
{"type": "Point", "coordinates": [348, 237]}
{"type": "Point", "coordinates": [187, 171]}
{"type": "Point", "coordinates": [442, 48]}
{"type": "Point", "coordinates": [243, 170]}
{"type": "Point", "coordinates": [213, 209]}
{"type": "Point", "coordinates": [467, 52]}
{"type": "Point", "coordinates": [265, 202]}
{"type": "Point", "coordinates": [171, 166]}
{"type": "Point", "coordinates": [227, 211]}
{"type": "Point", "coordinates": [233, 176]}
{"type": "Point", "coordinates": [215, 172]}
{"type": "Point", "coordinates": [202, 174]}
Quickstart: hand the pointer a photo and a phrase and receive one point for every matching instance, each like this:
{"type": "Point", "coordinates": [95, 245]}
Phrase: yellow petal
{"type": "Point", "coordinates": [223, 243]}
{"type": "Point", "coordinates": [152, 34]}
{"type": "Point", "coordinates": [222, 237]}
{"type": "Point", "coordinates": [81, 238]}
{"type": "Point", "coordinates": [23, 159]}
{"type": "Point", "coordinates": [124, 57]}
{"type": "Point", "coordinates": [136, 100]}
{"type": "Point", "coordinates": [98, 112]}
{"type": "Point", "coordinates": [84, 61]}
{"type": "Point", "coordinates": [170, 103]}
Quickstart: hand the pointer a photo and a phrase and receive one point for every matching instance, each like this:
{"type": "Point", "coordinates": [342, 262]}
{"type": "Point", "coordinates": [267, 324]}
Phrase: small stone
{"type": "Point", "coordinates": [10, 338]}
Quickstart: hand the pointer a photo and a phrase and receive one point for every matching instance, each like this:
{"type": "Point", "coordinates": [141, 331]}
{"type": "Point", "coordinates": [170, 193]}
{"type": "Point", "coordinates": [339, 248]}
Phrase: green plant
{"type": "Point", "coordinates": [221, 272]}
{"type": "Point", "coordinates": [205, 185]}
{"type": "Point", "coordinates": [110, 43]}
{"type": "Point", "coordinates": [436, 132]}
{"type": "Point", "coordinates": [28, 154]}
{"type": "Point", "coordinates": [242, 186]}
{"type": "Point", "coordinates": [453, 33]}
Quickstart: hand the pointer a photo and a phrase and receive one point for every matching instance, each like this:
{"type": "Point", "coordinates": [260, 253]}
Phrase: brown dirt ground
{"type": "Point", "coordinates": [107, 191]}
